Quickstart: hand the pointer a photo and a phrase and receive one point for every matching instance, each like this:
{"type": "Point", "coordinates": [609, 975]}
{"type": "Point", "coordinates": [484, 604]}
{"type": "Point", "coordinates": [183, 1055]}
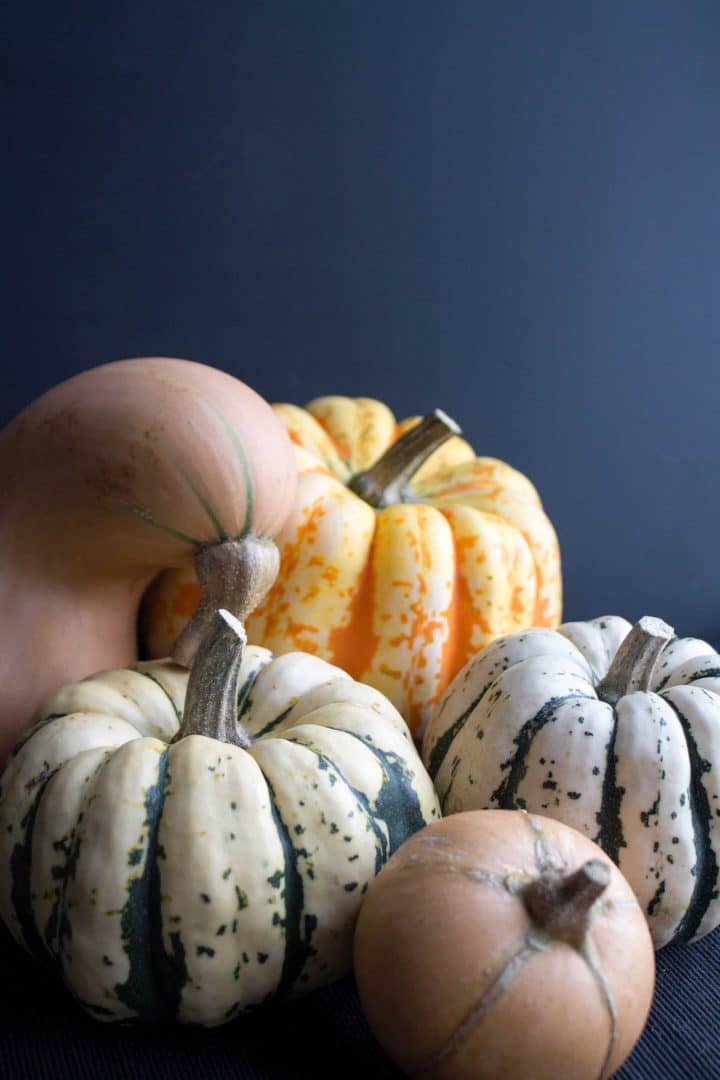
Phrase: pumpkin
{"type": "Point", "coordinates": [498, 943]}
{"type": "Point", "coordinates": [110, 477]}
{"type": "Point", "coordinates": [612, 729]}
{"type": "Point", "coordinates": [174, 865]}
{"type": "Point", "coordinates": [404, 554]}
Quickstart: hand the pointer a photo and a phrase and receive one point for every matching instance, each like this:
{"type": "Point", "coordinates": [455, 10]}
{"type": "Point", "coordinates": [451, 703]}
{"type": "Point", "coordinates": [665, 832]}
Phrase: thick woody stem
{"type": "Point", "coordinates": [212, 690]}
{"type": "Point", "coordinates": [635, 660]}
{"type": "Point", "coordinates": [561, 905]}
{"type": "Point", "coordinates": [234, 575]}
{"type": "Point", "coordinates": [386, 482]}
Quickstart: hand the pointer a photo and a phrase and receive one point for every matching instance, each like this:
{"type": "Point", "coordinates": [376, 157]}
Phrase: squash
{"type": "Point", "coordinates": [107, 479]}
{"type": "Point", "coordinates": [497, 943]}
{"type": "Point", "coordinates": [402, 556]}
{"type": "Point", "coordinates": [174, 865]}
{"type": "Point", "coordinates": [612, 729]}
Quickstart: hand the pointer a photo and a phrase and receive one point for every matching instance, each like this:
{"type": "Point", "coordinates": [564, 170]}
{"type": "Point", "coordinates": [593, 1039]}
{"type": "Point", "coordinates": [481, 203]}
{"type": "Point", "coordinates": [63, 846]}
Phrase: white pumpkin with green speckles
{"type": "Point", "coordinates": [173, 875]}
{"type": "Point", "coordinates": [611, 729]}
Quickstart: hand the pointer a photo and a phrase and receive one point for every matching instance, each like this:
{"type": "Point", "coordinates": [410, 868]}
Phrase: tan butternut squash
{"type": "Point", "coordinates": [110, 477]}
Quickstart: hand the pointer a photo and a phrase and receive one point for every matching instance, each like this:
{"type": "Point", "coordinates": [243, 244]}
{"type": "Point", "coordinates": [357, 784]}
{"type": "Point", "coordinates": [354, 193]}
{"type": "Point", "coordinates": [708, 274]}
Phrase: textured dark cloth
{"type": "Point", "coordinates": [46, 1035]}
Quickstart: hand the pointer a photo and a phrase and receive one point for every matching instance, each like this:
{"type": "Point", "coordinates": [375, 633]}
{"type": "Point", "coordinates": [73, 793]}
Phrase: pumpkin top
{"type": "Point", "coordinates": [350, 437]}
{"type": "Point", "coordinates": [187, 453]}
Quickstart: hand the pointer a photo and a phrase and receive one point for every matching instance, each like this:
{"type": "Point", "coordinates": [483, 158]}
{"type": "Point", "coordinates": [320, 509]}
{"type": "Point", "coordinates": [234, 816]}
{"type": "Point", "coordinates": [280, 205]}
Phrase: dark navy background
{"type": "Point", "coordinates": [507, 209]}
{"type": "Point", "coordinates": [510, 210]}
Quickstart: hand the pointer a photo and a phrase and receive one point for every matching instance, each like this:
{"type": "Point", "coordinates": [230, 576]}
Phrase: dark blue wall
{"type": "Point", "coordinates": [509, 209]}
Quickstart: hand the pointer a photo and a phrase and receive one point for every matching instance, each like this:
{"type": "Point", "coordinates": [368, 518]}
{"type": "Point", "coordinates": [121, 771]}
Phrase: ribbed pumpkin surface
{"type": "Point", "coordinates": [403, 595]}
{"type": "Point", "coordinates": [191, 880]}
{"type": "Point", "coordinates": [523, 726]}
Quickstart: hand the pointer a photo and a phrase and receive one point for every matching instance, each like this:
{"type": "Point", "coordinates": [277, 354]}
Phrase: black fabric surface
{"type": "Point", "coordinates": [45, 1034]}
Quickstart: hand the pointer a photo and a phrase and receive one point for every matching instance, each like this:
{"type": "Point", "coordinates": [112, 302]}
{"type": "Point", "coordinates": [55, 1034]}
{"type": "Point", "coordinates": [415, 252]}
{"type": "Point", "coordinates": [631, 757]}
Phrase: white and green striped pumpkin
{"type": "Point", "coordinates": [609, 728]}
{"type": "Point", "coordinates": [172, 863]}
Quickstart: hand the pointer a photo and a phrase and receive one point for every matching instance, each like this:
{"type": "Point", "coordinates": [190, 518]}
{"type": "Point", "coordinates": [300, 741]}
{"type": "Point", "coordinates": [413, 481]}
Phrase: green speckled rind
{"type": "Point", "coordinates": [193, 880]}
{"type": "Point", "coordinates": [522, 725]}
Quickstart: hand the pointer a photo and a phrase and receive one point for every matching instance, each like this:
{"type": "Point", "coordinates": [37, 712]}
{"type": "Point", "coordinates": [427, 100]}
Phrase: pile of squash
{"type": "Point", "coordinates": [285, 692]}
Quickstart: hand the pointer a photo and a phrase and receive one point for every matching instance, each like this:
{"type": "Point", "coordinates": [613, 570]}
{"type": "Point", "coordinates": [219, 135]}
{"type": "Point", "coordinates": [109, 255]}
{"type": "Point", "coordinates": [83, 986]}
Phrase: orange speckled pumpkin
{"type": "Point", "coordinates": [404, 555]}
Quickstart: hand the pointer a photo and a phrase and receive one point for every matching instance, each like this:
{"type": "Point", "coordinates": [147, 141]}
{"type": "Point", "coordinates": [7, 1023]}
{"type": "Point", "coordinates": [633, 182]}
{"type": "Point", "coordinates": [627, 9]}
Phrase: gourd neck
{"type": "Point", "coordinates": [634, 663]}
{"type": "Point", "coordinates": [212, 690]}
{"type": "Point", "coordinates": [234, 575]}
{"type": "Point", "coordinates": [561, 906]}
{"type": "Point", "coordinates": [387, 482]}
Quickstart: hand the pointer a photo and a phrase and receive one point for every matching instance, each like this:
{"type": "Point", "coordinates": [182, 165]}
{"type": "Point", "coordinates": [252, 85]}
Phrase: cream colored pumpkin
{"type": "Point", "coordinates": [612, 729]}
{"type": "Point", "coordinates": [189, 871]}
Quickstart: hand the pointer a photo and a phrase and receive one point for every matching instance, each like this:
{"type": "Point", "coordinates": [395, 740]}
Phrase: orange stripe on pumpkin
{"type": "Point", "coordinates": [296, 632]}
{"type": "Point", "coordinates": [353, 646]}
{"type": "Point", "coordinates": [517, 604]}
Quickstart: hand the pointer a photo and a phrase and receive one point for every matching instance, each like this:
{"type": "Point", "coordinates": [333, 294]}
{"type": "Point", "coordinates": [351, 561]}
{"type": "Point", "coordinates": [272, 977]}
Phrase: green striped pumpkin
{"type": "Point", "coordinates": [172, 865]}
{"type": "Point", "coordinates": [611, 729]}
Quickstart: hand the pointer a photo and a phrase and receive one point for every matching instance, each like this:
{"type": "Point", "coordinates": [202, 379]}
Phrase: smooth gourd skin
{"type": "Point", "coordinates": [403, 595]}
{"type": "Point", "coordinates": [522, 725]}
{"type": "Point", "coordinates": [107, 479]}
{"type": "Point", "coordinates": [457, 983]}
{"type": "Point", "coordinates": [189, 880]}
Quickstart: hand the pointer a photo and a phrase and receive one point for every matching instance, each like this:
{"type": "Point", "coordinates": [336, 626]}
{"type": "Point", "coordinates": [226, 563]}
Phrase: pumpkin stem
{"type": "Point", "coordinates": [635, 660]}
{"type": "Point", "coordinates": [234, 575]}
{"type": "Point", "coordinates": [560, 905]}
{"type": "Point", "coordinates": [212, 690]}
{"type": "Point", "coordinates": [386, 482]}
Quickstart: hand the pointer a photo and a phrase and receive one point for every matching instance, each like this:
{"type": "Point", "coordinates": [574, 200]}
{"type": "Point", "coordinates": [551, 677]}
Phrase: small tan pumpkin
{"type": "Point", "coordinates": [497, 943]}
{"type": "Point", "coordinates": [109, 478]}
